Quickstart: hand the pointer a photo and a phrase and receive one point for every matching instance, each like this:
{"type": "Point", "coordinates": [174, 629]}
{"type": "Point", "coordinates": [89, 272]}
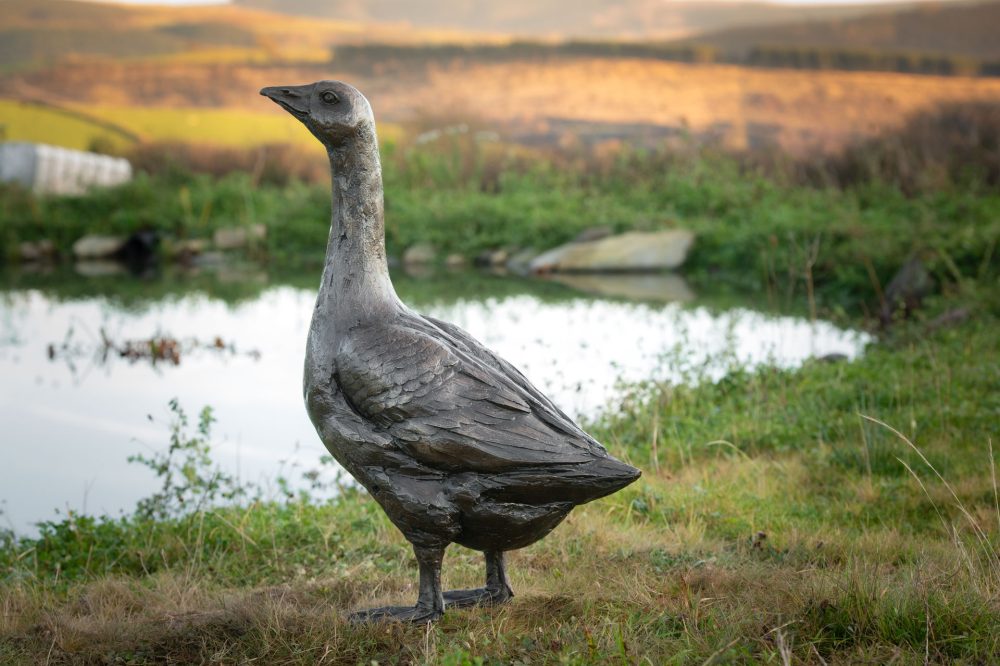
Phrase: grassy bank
{"type": "Point", "coordinates": [766, 233]}
{"type": "Point", "coordinates": [774, 523]}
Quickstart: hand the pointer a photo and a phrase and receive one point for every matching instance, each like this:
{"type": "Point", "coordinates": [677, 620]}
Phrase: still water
{"type": "Point", "coordinates": [72, 410]}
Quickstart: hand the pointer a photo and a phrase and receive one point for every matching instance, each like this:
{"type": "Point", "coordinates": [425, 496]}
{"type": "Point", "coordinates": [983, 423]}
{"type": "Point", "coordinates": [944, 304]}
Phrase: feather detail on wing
{"type": "Point", "coordinates": [541, 404]}
{"type": "Point", "coordinates": [450, 409]}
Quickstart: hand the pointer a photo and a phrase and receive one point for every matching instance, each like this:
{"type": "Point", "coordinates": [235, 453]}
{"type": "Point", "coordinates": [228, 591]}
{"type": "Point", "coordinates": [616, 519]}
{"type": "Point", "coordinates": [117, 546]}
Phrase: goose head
{"type": "Point", "coordinates": [332, 110]}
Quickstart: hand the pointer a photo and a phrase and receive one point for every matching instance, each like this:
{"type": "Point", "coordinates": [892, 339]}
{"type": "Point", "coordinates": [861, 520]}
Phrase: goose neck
{"type": "Point", "coordinates": [356, 277]}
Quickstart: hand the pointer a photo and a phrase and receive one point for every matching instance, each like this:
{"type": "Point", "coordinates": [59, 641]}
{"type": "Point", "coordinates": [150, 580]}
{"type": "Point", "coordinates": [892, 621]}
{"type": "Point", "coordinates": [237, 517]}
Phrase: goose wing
{"type": "Point", "coordinates": [449, 409]}
{"type": "Point", "coordinates": [540, 403]}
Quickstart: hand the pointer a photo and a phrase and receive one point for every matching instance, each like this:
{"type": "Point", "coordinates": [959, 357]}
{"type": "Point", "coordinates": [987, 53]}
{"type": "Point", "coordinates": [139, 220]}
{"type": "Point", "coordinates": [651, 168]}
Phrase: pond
{"type": "Point", "coordinates": [79, 391]}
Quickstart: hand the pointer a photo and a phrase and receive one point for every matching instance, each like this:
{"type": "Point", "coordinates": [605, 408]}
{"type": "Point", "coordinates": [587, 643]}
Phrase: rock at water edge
{"type": "Point", "coordinates": [97, 247]}
{"type": "Point", "coordinates": [633, 251]}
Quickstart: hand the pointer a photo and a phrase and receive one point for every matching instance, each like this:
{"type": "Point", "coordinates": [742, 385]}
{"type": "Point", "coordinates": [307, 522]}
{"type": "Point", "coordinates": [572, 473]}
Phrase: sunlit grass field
{"type": "Point", "coordinates": [81, 128]}
{"type": "Point", "coordinates": [20, 121]}
{"type": "Point", "coordinates": [224, 127]}
{"type": "Point", "coordinates": [796, 110]}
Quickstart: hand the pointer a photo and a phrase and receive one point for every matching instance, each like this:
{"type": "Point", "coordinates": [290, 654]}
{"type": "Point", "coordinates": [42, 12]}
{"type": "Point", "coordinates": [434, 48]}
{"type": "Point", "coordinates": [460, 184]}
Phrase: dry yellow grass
{"type": "Point", "coordinates": [810, 108]}
{"type": "Point", "coordinates": [797, 110]}
{"type": "Point", "coordinates": [78, 127]}
{"type": "Point", "coordinates": [604, 586]}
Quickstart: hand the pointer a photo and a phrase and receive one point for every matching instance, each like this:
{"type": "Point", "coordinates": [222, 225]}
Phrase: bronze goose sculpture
{"type": "Point", "coordinates": [453, 442]}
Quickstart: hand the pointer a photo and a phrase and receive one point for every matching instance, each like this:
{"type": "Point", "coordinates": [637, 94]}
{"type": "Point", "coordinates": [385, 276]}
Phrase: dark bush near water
{"type": "Point", "coordinates": [955, 144]}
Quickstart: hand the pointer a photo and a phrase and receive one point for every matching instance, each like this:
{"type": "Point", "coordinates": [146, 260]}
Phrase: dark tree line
{"type": "Point", "coordinates": [864, 60]}
{"type": "Point", "coordinates": [367, 55]}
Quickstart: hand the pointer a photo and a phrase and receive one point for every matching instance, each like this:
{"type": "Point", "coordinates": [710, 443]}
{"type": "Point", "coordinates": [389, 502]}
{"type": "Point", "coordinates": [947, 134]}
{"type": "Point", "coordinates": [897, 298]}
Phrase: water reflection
{"type": "Point", "coordinates": [657, 288]}
{"type": "Point", "coordinates": [67, 433]}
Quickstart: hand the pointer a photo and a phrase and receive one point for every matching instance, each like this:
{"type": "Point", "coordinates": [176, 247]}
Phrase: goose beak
{"type": "Point", "coordinates": [294, 99]}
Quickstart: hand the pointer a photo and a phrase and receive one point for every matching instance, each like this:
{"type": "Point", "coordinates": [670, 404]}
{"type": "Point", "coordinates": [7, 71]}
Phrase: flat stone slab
{"type": "Point", "coordinates": [419, 254]}
{"type": "Point", "coordinates": [234, 238]}
{"type": "Point", "coordinates": [98, 247]}
{"type": "Point", "coordinates": [633, 251]}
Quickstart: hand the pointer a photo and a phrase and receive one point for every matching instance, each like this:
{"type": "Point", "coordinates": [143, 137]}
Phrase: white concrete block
{"type": "Point", "coordinates": [53, 170]}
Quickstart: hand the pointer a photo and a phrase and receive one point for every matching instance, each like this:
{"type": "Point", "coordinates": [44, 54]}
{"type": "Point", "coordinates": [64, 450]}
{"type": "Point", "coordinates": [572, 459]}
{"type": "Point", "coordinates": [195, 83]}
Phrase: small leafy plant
{"type": "Point", "coordinates": [190, 481]}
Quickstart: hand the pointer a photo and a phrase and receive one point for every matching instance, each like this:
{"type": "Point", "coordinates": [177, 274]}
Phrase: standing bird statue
{"type": "Point", "coordinates": [452, 441]}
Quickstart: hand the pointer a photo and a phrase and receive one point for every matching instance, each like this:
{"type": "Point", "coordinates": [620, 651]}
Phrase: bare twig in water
{"type": "Point", "coordinates": [155, 350]}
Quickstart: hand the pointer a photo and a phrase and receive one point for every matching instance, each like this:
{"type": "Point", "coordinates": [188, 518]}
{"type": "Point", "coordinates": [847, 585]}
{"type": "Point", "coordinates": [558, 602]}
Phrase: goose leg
{"type": "Point", "coordinates": [496, 592]}
{"type": "Point", "coordinates": [430, 604]}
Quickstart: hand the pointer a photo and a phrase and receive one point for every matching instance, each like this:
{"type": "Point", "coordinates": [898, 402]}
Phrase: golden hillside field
{"type": "Point", "coordinates": [76, 15]}
{"type": "Point", "coordinates": [649, 19]}
{"type": "Point", "coordinates": [404, 21]}
{"type": "Point", "coordinates": [795, 109]}
{"type": "Point", "coordinates": [37, 33]}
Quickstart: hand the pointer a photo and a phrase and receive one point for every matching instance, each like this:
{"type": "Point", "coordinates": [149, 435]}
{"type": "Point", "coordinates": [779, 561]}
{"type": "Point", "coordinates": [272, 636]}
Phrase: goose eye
{"type": "Point", "coordinates": [330, 97]}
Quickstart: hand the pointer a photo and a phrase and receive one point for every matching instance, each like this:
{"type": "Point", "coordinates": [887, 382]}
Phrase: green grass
{"type": "Point", "coordinates": [772, 523]}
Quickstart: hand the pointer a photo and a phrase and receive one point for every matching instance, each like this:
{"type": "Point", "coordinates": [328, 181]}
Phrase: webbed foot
{"type": "Point", "coordinates": [482, 596]}
{"type": "Point", "coordinates": [412, 614]}
{"type": "Point", "coordinates": [430, 605]}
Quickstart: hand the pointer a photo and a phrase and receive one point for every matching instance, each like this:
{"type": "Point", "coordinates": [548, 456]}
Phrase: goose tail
{"type": "Point", "coordinates": [609, 475]}
{"type": "Point", "coordinates": [577, 483]}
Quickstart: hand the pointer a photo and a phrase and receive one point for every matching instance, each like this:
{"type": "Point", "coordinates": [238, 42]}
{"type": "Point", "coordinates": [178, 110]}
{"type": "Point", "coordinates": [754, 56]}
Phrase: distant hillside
{"type": "Point", "coordinates": [957, 29]}
{"type": "Point", "coordinates": [45, 32]}
{"type": "Point", "coordinates": [569, 18]}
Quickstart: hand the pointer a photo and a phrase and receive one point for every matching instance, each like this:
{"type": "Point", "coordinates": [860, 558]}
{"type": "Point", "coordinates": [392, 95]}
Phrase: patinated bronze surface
{"type": "Point", "coordinates": [453, 442]}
